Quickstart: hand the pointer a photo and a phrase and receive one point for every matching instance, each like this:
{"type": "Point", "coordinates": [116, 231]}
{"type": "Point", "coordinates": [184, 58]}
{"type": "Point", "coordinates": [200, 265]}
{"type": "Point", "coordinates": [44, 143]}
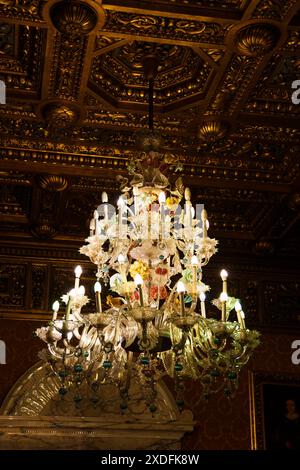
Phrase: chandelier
{"type": "Point", "coordinates": [152, 317]}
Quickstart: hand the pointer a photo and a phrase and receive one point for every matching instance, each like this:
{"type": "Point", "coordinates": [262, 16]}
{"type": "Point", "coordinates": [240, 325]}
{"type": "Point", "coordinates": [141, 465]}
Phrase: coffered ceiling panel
{"type": "Point", "coordinates": [77, 111]}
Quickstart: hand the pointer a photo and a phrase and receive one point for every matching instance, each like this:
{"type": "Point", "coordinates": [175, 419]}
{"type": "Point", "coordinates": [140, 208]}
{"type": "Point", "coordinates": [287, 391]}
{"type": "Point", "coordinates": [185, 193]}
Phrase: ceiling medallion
{"type": "Point", "coordinates": [212, 130]}
{"type": "Point", "coordinates": [60, 115]}
{"type": "Point", "coordinates": [257, 39]}
{"type": "Point", "coordinates": [43, 230]}
{"type": "Point", "coordinates": [75, 18]}
{"type": "Point", "coordinates": [54, 183]}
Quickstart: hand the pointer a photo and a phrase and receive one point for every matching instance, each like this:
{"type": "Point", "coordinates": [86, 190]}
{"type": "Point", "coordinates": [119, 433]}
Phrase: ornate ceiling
{"type": "Point", "coordinates": [77, 103]}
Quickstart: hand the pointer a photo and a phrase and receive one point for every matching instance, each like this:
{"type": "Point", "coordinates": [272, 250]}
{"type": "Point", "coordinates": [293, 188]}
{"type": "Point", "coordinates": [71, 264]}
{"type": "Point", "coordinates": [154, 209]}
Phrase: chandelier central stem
{"type": "Point", "coordinates": [151, 89]}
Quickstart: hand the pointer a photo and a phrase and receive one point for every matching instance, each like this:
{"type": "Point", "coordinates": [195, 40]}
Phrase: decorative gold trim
{"type": "Point", "coordinates": [91, 8]}
{"type": "Point", "coordinates": [252, 411]}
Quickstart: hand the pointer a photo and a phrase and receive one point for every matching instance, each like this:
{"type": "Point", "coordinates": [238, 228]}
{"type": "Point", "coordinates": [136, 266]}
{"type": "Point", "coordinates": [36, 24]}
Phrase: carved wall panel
{"type": "Point", "coordinates": [39, 287]}
{"type": "Point", "coordinates": [282, 302]}
{"type": "Point", "coordinates": [13, 286]}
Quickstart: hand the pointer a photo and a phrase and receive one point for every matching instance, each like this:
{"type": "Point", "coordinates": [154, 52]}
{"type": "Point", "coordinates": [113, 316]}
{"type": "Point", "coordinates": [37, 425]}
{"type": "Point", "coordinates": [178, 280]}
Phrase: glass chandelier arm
{"type": "Point", "coordinates": [179, 347]}
{"type": "Point", "coordinates": [88, 337]}
{"type": "Point", "coordinates": [150, 117]}
{"type": "Point", "coordinates": [59, 353]}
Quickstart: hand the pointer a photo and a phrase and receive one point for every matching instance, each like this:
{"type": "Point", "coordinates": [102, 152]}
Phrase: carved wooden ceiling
{"type": "Point", "coordinates": [77, 103]}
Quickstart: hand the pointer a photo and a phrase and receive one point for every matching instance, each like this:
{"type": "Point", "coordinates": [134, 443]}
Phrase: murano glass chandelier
{"type": "Point", "coordinates": [152, 317]}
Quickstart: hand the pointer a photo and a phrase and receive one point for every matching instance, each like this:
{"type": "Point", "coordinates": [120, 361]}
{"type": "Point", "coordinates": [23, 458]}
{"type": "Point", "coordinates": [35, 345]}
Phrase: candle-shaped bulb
{"type": "Point", "coordinates": [224, 274]}
{"type": "Point", "coordinates": [204, 226]}
{"type": "Point", "coordinates": [207, 224]}
{"type": "Point", "coordinates": [202, 298]}
{"type": "Point", "coordinates": [81, 290]}
{"type": "Point", "coordinates": [78, 271]}
{"type": "Point", "coordinates": [71, 294]}
{"type": "Point", "coordinates": [120, 201]}
{"type": "Point", "coordinates": [138, 280]}
{"type": "Point", "coordinates": [192, 212]}
{"type": "Point", "coordinates": [97, 287]}
{"type": "Point", "coordinates": [187, 194]}
{"type": "Point", "coordinates": [121, 259]}
{"type": "Point", "coordinates": [223, 297]}
{"type": "Point", "coordinates": [55, 308]}
{"type": "Point", "coordinates": [181, 290]}
{"type": "Point", "coordinates": [162, 198]}
{"type": "Point", "coordinates": [243, 325]}
{"type": "Point", "coordinates": [104, 197]}
{"type": "Point", "coordinates": [180, 287]}
{"type": "Point", "coordinates": [97, 290]}
{"type": "Point", "coordinates": [203, 215]}
{"type": "Point", "coordinates": [194, 260]}
{"type": "Point", "coordinates": [96, 215]}
{"type": "Point", "coordinates": [238, 306]}
{"type": "Point", "coordinates": [135, 191]}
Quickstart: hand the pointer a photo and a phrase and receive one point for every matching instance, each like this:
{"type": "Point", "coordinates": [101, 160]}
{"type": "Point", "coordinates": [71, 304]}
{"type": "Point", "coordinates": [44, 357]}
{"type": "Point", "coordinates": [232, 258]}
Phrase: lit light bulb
{"type": "Point", "coordinates": [202, 298]}
{"type": "Point", "coordinates": [97, 287]}
{"type": "Point", "coordinates": [243, 325]}
{"type": "Point", "coordinates": [224, 274]}
{"type": "Point", "coordinates": [121, 259]}
{"type": "Point", "coordinates": [238, 306]}
{"type": "Point", "coordinates": [162, 198]}
{"type": "Point", "coordinates": [194, 260]}
{"type": "Point", "coordinates": [120, 201]}
{"type": "Point", "coordinates": [104, 197]}
{"type": "Point", "coordinates": [187, 194]}
{"type": "Point", "coordinates": [97, 290]}
{"type": "Point", "coordinates": [78, 271]}
{"type": "Point", "coordinates": [55, 306]}
{"type": "Point", "coordinates": [223, 297]}
{"type": "Point", "coordinates": [138, 280]}
{"type": "Point", "coordinates": [180, 287]}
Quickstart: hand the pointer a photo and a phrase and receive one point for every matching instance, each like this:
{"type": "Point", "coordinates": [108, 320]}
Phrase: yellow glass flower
{"type": "Point", "coordinates": [141, 268]}
{"type": "Point", "coordinates": [172, 201]}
